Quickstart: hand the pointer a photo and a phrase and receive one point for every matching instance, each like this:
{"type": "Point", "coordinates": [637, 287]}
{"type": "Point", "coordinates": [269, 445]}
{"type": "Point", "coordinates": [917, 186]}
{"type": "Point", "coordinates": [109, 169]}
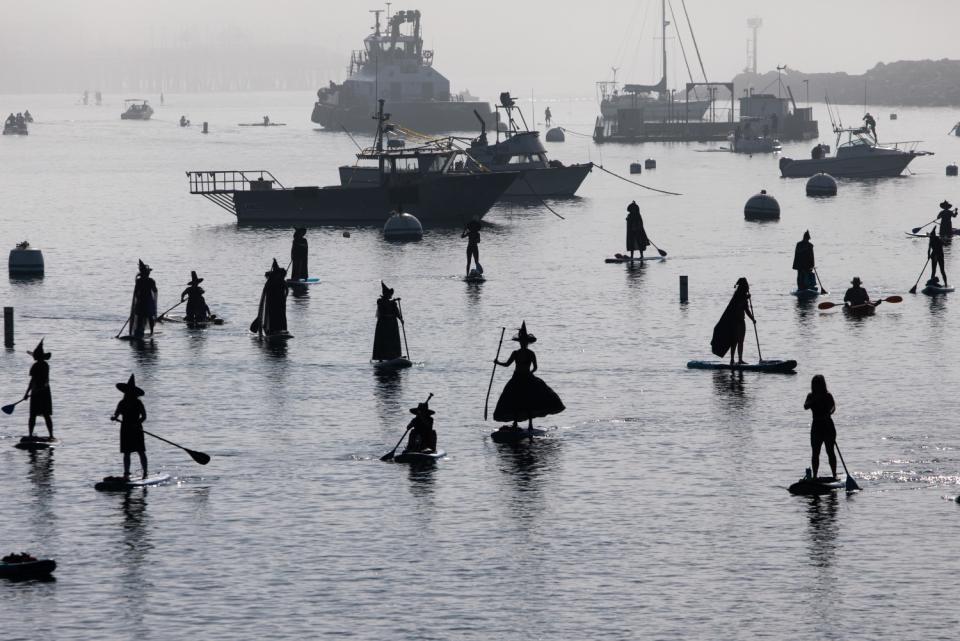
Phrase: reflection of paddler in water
{"type": "Point", "coordinates": [197, 310]}
{"type": "Point", "coordinates": [143, 309]}
{"type": "Point", "coordinates": [636, 235]}
{"type": "Point", "coordinates": [298, 254]}
{"type": "Point", "coordinates": [133, 414]}
{"type": "Point", "coordinates": [803, 263]}
{"type": "Point", "coordinates": [935, 254]}
{"type": "Point", "coordinates": [472, 234]}
{"type": "Point", "coordinates": [525, 397]}
{"type": "Point", "coordinates": [273, 302]}
{"type": "Point", "coordinates": [730, 330]}
{"type": "Point", "coordinates": [423, 438]}
{"type": "Point", "coordinates": [41, 401]}
{"type": "Point", "coordinates": [946, 217]}
{"type": "Point", "coordinates": [386, 338]}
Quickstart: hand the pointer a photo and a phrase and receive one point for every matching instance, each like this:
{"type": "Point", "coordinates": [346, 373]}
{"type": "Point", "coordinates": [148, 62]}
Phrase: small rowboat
{"type": "Point", "coordinates": [621, 258]}
{"type": "Point", "coordinates": [419, 458]}
{"type": "Point", "coordinates": [771, 365]}
{"type": "Point", "coordinates": [34, 443]}
{"type": "Point", "coordinates": [864, 309]}
{"type": "Point", "coordinates": [38, 568]}
{"type": "Point", "coordinates": [400, 362]}
{"type": "Point", "coordinates": [817, 486]}
{"type": "Point", "coordinates": [513, 435]}
{"type": "Point", "coordinates": [806, 293]}
{"type": "Point", "coordinates": [118, 483]}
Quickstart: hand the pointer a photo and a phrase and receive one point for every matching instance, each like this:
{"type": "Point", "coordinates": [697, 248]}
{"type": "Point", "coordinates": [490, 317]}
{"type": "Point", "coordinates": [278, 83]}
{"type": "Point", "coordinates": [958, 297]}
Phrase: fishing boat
{"type": "Point", "coordinates": [136, 109]}
{"type": "Point", "coordinates": [859, 157]}
{"type": "Point", "coordinates": [393, 64]}
{"type": "Point", "coordinates": [423, 181]}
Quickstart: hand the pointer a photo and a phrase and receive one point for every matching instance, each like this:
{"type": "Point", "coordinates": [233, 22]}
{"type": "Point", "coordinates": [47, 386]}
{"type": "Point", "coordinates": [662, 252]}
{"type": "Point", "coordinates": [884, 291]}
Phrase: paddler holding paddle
{"type": "Point", "coordinates": [822, 430]}
{"type": "Point", "coordinates": [386, 337]}
{"type": "Point", "coordinates": [804, 263]}
{"type": "Point", "coordinates": [946, 217]}
{"type": "Point", "coordinates": [273, 302]}
{"type": "Point", "coordinates": [131, 425]}
{"type": "Point", "coordinates": [38, 390]}
{"type": "Point", "coordinates": [857, 295]}
{"type": "Point", "coordinates": [731, 329]}
{"type": "Point", "coordinates": [636, 235]}
{"type": "Point", "coordinates": [143, 309]}
{"type": "Point", "coordinates": [935, 255]}
{"type": "Point", "coordinates": [298, 254]}
{"type": "Point", "coordinates": [197, 310]}
{"type": "Point", "coordinates": [525, 396]}
{"type": "Point", "coordinates": [423, 438]}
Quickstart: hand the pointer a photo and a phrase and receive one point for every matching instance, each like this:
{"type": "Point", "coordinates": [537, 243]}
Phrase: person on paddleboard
{"type": "Point", "coordinates": [298, 255]}
{"type": "Point", "coordinates": [856, 294]}
{"type": "Point", "coordinates": [946, 217]}
{"type": "Point", "coordinates": [143, 309]}
{"type": "Point", "coordinates": [273, 301]}
{"type": "Point", "coordinates": [822, 431]}
{"type": "Point", "coordinates": [423, 438]}
{"type": "Point", "coordinates": [133, 414]}
{"type": "Point", "coordinates": [525, 396]}
{"type": "Point", "coordinates": [935, 254]}
{"type": "Point", "coordinates": [386, 337]}
{"type": "Point", "coordinates": [731, 329]}
{"type": "Point", "coordinates": [636, 235]}
{"type": "Point", "coordinates": [197, 310]}
{"type": "Point", "coordinates": [41, 401]}
{"type": "Point", "coordinates": [472, 234]}
{"type": "Point", "coordinates": [803, 263]}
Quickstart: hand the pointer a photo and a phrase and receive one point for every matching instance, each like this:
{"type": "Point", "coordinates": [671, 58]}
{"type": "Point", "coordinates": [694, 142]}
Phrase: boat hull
{"type": "Point", "coordinates": [422, 117]}
{"type": "Point", "coordinates": [879, 166]}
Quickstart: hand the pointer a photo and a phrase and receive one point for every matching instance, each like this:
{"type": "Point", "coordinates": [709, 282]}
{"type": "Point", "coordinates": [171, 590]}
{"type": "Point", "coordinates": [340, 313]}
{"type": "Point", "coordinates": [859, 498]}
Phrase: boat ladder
{"type": "Point", "coordinates": [219, 186]}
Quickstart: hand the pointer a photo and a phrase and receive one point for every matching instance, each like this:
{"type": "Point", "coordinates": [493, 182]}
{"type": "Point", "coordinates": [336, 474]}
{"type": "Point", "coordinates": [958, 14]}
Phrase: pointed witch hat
{"type": "Point", "coordinates": [275, 268]}
{"type": "Point", "coordinates": [385, 291]}
{"type": "Point", "coordinates": [523, 337]}
{"type": "Point", "coordinates": [39, 354]}
{"type": "Point", "coordinates": [193, 278]}
{"type": "Point", "coordinates": [144, 268]}
{"type": "Point", "coordinates": [130, 387]}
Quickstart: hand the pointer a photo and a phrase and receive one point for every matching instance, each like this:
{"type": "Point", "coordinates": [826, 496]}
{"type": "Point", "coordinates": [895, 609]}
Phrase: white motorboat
{"type": "Point", "coordinates": [860, 157]}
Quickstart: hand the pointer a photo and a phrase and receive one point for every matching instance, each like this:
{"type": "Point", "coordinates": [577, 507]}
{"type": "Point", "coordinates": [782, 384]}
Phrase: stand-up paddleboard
{"type": "Point", "coordinates": [140, 339]}
{"type": "Point", "coordinates": [865, 309]}
{"type": "Point", "coordinates": [806, 293]}
{"type": "Point", "coordinates": [118, 483]}
{"type": "Point", "coordinates": [621, 258]}
{"type": "Point", "coordinates": [956, 232]}
{"type": "Point", "coordinates": [936, 290]}
{"type": "Point", "coordinates": [275, 338]}
{"type": "Point", "coordinates": [394, 363]}
{"type": "Point", "coordinates": [262, 124]}
{"type": "Point", "coordinates": [511, 434]}
{"type": "Point", "coordinates": [34, 443]}
{"type": "Point", "coordinates": [474, 277]}
{"type": "Point", "coordinates": [303, 281]}
{"type": "Point", "coordinates": [770, 365]}
{"type": "Point", "coordinates": [419, 458]}
{"type": "Point", "coordinates": [36, 568]}
{"type": "Point", "coordinates": [819, 485]}
{"type": "Point", "coordinates": [182, 319]}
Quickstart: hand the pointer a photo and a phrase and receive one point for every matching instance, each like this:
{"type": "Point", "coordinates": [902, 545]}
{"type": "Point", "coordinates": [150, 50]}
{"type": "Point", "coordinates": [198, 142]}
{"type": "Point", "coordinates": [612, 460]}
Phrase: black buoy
{"type": "Point", "coordinates": [636, 168]}
{"type": "Point", "coordinates": [649, 163]}
{"type": "Point", "coordinates": [762, 206]}
{"type": "Point", "coordinates": [952, 169]}
{"type": "Point", "coordinates": [556, 135]}
{"type": "Point", "coordinates": [822, 184]}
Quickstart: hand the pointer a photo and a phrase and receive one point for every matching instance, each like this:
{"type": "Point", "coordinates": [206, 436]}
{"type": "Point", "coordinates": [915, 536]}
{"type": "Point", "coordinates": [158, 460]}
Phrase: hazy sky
{"type": "Point", "coordinates": [551, 48]}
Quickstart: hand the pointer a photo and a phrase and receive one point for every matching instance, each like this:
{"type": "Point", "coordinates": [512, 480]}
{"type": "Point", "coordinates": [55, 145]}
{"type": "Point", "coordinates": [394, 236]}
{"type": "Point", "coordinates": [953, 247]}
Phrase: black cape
{"type": "Point", "coordinates": [731, 326]}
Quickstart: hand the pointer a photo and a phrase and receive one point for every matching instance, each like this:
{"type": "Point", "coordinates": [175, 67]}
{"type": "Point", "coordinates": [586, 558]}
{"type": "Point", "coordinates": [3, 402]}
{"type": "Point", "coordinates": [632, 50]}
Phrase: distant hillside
{"type": "Point", "coordinates": [918, 83]}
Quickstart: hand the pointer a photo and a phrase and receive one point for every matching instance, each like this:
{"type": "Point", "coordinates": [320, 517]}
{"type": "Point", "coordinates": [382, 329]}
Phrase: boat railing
{"type": "Point", "coordinates": [219, 186]}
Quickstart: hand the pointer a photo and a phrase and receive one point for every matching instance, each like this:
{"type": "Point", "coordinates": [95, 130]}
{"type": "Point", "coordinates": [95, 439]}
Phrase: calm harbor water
{"type": "Point", "coordinates": [657, 507]}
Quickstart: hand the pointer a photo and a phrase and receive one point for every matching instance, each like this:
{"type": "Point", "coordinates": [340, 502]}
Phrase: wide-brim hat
{"type": "Point", "coordinates": [193, 279]}
{"type": "Point", "coordinates": [130, 387]}
{"type": "Point", "coordinates": [39, 354]}
{"type": "Point", "coordinates": [856, 280]}
{"type": "Point", "coordinates": [387, 292]}
{"type": "Point", "coordinates": [523, 336]}
{"type": "Point", "coordinates": [422, 408]}
{"type": "Point", "coordinates": [945, 205]}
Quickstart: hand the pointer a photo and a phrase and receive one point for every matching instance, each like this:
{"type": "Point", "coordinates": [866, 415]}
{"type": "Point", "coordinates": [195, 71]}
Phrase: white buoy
{"type": "Point", "coordinates": [822, 184]}
{"type": "Point", "coordinates": [556, 135]}
{"type": "Point", "coordinates": [25, 260]}
{"type": "Point", "coordinates": [762, 206]}
{"type": "Point", "coordinates": [649, 163]}
{"type": "Point", "coordinates": [402, 227]}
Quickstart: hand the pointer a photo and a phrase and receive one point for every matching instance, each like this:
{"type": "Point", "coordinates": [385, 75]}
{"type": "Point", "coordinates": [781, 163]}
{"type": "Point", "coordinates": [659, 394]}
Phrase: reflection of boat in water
{"type": "Point", "coordinates": [859, 157]}
{"type": "Point", "coordinates": [136, 109]}
{"type": "Point", "coordinates": [394, 65]}
{"type": "Point", "coordinates": [419, 180]}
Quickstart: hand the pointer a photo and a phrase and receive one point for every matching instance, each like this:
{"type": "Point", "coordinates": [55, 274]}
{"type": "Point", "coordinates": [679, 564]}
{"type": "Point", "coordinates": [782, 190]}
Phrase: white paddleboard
{"type": "Point", "coordinates": [114, 483]}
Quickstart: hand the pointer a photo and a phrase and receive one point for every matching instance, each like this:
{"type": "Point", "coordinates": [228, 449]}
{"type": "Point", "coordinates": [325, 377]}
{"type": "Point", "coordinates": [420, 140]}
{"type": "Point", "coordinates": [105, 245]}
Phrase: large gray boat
{"type": "Point", "coordinates": [394, 65]}
{"type": "Point", "coordinates": [423, 181]}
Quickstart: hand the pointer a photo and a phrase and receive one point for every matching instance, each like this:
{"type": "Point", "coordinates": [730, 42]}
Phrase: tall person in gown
{"type": "Point", "coordinates": [804, 262]}
{"type": "Point", "coordinates": [525, 396]}
{"type": "Point", "coordinates": [298, 255]}
{"type": "Point", "coordinates": [273, 301]}
{"type": "Point", "coordinates": [636, 234]}
{"type": "Point", "coordinates": [197, 310]}
{"type": "Point", "coordinates": [730, 330]}
{"type": "Point", "coordinates": [41, 401]}
{"type": "Point", "coordinates": [386, 338]}
{"type": "Point", "coordinates": [143, 309]}
{"type": "Point", "coordinates": [133, 414]}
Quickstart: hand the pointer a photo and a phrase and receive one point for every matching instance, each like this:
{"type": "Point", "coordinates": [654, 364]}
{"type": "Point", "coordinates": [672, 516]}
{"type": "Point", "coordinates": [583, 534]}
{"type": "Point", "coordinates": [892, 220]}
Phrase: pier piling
{"type": "Point", "coordinates": [683, 289]}
{"type": "Point", "coordinates": [8, 327]}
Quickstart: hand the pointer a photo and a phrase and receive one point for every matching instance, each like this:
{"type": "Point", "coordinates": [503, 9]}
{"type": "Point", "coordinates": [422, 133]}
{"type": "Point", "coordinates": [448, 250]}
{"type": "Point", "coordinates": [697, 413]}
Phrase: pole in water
{"type": "Point", "coordinates": [8, 327]}
{"type": "Point", "coordinates": [205, 127]}
{"type": "Point", "coordinates": [683, 289]}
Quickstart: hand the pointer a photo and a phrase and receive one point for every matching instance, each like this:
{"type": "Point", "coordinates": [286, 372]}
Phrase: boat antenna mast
{"type": "Point", "coordinates": [663, 37]}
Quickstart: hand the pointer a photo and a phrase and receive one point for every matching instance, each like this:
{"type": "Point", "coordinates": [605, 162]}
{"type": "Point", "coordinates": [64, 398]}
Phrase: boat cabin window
{"type": "Point", "coordinates": [522, 159]}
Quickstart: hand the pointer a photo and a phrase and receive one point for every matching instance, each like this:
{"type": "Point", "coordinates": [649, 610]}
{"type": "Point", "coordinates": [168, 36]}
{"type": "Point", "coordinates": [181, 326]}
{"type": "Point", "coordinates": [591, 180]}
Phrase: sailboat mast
{"type": "Point", "coordinates": [663, 38]}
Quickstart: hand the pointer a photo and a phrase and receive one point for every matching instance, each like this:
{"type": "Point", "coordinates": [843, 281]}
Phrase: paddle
{"type": "Point", "coordinates": [8, 409]}
{"type": "Point", "coordinates": [486, 404]}
{"type": "Point", "coordinates": [913, 290]}
{"type": "Point", "coordinates": [851, 482]}
{"type": "Point", "coordinates": [160, 317]}
{"type": "Point", "coordinates": [389, 455]}
{"type": "Point", "coordinates": [663, 254]}
{"type": "Point", "coordinates": [199, 457]}
{"type": "Point", "coordinates": [822, 290]}
{"type": "Point", "coordinates": [917, 229]}
{"type": "Point", "coordinates": [403, 326]}
{"type": "Point", "coordinates": [755, 333]}
{"type": "Point", "coordinates": [256, 326]}
{"type": "Point", "coordinates": [888, 299]}
{"type": "Point", "coordinates": [132, 301]}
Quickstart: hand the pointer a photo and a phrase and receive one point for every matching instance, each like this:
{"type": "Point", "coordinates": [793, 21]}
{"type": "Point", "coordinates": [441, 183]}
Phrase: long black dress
{"type": "Point", "coordinates": [197, 310]}
{"type": "Point", "coordinates": [731, 328]}
{"type": "Point", "coordinates": [273, 304]}
{"type": "Point", "coordinates": [803, 263]}
{"type": "Point", "coordinates": [41, 401]}
{"type": "Point", "coordinates": [133, 413]}
{"type": "Point", "coordinates": [298, 258]}
{"type": "Point", "coordinates": [636, 235]}
{"type": "Point", "coordinates": [144, 307]}
{"type": "Point", "coordinates": [526, 396]}
{"type": "Point", "coordinates": [386, 338]}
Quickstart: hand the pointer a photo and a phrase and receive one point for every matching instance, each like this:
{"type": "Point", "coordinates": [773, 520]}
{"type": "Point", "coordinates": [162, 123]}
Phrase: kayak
{"type": "Point", "coordinates": [819, 485]}
{"type": "Point", "coordinates": [514, 435]}
{"type": "Point", "coordinates": [864, 309]}
{"type": "Point", "coordinates": [806, 293]}
{"type": "Point", "coordinates": [769, 365]}
{"type": "Point", "coordinates": [116, 483]}
{"type": "Point", "coordinates": [33, 443]}
{"type": "Point", "coordinates": [419, 458]}
{"type": "Point", "coordinates": [303, 281]}
{"type": "Point", "coordinates": [620, 258]}
{"type": "Point", "coordinates": [27, 569]}
{"type": "Point", "coordinates": [933, 290]}
{"type": "Point", "coordinates": [394, 363]}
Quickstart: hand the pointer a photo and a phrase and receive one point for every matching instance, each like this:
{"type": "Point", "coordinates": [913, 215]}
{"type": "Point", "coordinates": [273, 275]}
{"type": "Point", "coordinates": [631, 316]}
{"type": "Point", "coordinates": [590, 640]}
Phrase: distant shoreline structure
{"type": "Point", "coordinates": [910, 83]}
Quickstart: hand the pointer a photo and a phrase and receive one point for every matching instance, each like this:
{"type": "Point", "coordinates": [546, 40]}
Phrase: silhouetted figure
{"type": "Point", "coordinates": [386, 338]}
{"type": "Point", "coordinates": [20, 121]}
{"type": "Point", "coordinates": [423, 438]}
{"type": "Point", "coordinates": [730, 330]}
{"type": "Point", "coordinates": [131, 425]}
{"type": "Point", "coordinates": [935, 254]}
{"type": "Point", "coordinates": [472, 234]}
{"type": "Point", "coordinates": [41, 402]}
{"type": "Point", "coordinates": [11, 119]}
{"type": "Point", "coordinates": [27, 117]}
{"type": "Point", "coordinates": [298, 254]}
{"type": "Point", "coordinates": [197, 310]}
{"type": "Point", "coordinates": [871, 124]}
{"type": "Point", "coordinates": [803, 262]}
{"type": "Point", "coordinates": [946, 217]}
{"type": "Point", "coordinates": [547, 116]}
{"type": "Point", "coordinates": [266, 121]}
{"type": "Point", "coordinates": [525, 397]}
{"type": "Point", "coordinates": [636, 235]}
{"type": "Point", "coordinates": [856, 295]}
{"type": "Point", "coordinates": [822, 431]}
{"type": "Point", "coordinates": [273, 301]}
{"type": "Point", "coordinates": [183, 121]}
{"type": "Point", "coordinates": [143, 310]}
{"type": "Point", "coordinates": [817, 152]}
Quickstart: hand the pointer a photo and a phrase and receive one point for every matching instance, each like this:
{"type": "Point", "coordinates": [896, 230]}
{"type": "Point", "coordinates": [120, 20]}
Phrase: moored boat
{"type": "Point", "coordinates": [136, 109]}
{"type": "Point", "coordinates": [25, 566]}
{"type": "Point", "coordinates": [859, 157]}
